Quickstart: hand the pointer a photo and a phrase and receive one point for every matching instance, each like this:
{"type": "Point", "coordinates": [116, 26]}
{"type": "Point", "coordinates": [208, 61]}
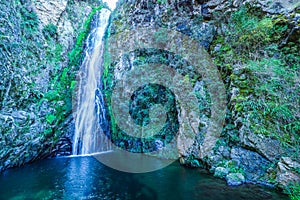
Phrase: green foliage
{"type": "Point", "coordinates": [63, 80]}
{"type": "Point", "coordinates": [49, 31]}
{"type": "Point", "coordinates": [162, 1]}
{"type": "Point", "coordinates": [50, 118]}
{"type": "Point", "coordinates": [231, 166]}
{"type": "Point", "coordinates": [52, 95]}
{"type": "Point", "coordinates": [291, 54]}
{"type": "Point", "coordinates": [75, 55]}
{"type": "Point", "coordinates": [274, 109]}
{"type": "Point", "coordinates": [30, 20]}
{"type": "Point", "coordinates": [294, 191]}
{"type": "Point", "coordinates": [267, 78]}
{"type": "Point", "coordinates": [247, 34]}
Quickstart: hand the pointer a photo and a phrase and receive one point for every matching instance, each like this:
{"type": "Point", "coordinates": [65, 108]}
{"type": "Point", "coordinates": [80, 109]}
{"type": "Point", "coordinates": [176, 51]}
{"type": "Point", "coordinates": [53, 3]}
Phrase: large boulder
{"type": "Point", "coordinates": [254, 165]}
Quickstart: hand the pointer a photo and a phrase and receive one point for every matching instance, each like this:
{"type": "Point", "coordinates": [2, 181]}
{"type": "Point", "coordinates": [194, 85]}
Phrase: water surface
{"type": "Point", "coordinates": [86, 178]}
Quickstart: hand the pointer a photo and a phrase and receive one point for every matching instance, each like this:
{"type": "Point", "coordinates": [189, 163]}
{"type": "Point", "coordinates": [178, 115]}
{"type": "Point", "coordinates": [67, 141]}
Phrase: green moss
{"type": "Point", "coordinates": [162, 1]}
{"type": "Point", "coordinates": [49, 31]}
{"type": "Point", "coordinates": [294, 191]}
{"type": "Point", "coordinates": [63, 82]}
{"type": "Point", "coordinates": [50, 118]}
{"type": "Point", "coordinates": [75, 55]}
{"type": "Point", "coordinates": [266, 76]}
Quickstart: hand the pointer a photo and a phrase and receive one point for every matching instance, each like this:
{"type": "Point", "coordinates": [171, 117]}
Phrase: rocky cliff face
{"type": "Point", "coordinates": [254, 44]}
{"type": "Point", "coordinates": [249, 41]}
{"type": "Point", "coordinates": [37, 40]}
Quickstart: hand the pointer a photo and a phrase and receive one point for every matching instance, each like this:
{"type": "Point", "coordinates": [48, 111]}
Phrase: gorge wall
{"type": "Point", "coordinates": [41, 47]}
{"type": "Point", "coordinates": [254, 44]}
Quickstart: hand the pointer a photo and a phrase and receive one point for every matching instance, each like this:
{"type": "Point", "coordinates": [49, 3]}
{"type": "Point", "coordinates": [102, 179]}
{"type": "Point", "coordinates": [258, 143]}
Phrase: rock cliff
{"type": "Point", "coordinates": [248, 41]}
{"type": "Point", "coordinates": [254, 44]}
{"type": "Point", "coordinates": [38, 62]}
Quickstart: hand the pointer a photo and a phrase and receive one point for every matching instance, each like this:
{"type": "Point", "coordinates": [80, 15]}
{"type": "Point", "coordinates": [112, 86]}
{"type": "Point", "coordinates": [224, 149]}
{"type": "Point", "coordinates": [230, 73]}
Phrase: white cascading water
{"type": "Point", "coordinates": [90, 111]}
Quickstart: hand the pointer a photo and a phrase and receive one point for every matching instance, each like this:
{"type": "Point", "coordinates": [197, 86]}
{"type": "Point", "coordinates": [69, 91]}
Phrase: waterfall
{"type": "Point", "coordinates": [90, 122]}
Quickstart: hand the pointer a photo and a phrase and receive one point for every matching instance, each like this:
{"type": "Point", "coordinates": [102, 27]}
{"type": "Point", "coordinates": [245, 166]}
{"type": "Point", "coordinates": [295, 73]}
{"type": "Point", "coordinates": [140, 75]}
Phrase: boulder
{"type": "Point", "coordinates": [254, 165]}
{"type": "Point", "coordinates": [286, 172]}
{"type": "Point", "coordinates": [266, 146]}
{"type": "Point", "coordinates": [221, 172]}
{"type": "Point", "coordinates": [235, 179]}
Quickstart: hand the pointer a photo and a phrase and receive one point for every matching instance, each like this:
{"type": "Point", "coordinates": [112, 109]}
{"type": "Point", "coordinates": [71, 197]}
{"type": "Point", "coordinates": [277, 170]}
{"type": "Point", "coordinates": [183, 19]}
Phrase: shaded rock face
{"type": "Point", "coordinates": [273, 7]}
{"type": "Point", "coordinates": [267, 147]}
{"type": "Point", "coordinates": [50, 11]}
{"type": "Point", "coordinates": [286, 172]}
{"type": "Point", "coordinates": [183, 16]}
{"type": "Point", "coordinates": [254, 165]}
{"type": "Point", "coordinates": [251, 157]}
{"type": "Point", "coordinates": [29, 108]}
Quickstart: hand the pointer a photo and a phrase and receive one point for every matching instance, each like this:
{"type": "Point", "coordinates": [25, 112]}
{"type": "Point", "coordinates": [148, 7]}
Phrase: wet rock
{"type": "Point", "coordinates": [254, 165]}
{"type": "Point", "coordinates": [214, 160]}
{"type": "Point", "coordinates": [182, 161]}
{"type": "Point", "coordinates": [221, 172]}
{"type": "Point", "coordinates": [286, 172]}
{"type": "Point", "coordinates": [235, 179]}
{"type": "Point", "coordinates": [7, 163]}
{"type": "Point", "coordinates": [266, 146]}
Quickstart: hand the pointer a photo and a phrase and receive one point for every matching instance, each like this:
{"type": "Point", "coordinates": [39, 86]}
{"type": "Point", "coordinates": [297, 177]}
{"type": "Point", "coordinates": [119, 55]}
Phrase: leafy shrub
{"type": "Point", "coordinates": [75, 55]}
{"type": "Point", "coordinates": [248, 33]}
{"type": "Point", "coordinates": [50, 31]}
{"type": "Point", "coordinates": [30, 19]}
{"type": "Point", "coordinates": [267, 77]}
{"type": "Point", "coordinates": [294, 191]}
